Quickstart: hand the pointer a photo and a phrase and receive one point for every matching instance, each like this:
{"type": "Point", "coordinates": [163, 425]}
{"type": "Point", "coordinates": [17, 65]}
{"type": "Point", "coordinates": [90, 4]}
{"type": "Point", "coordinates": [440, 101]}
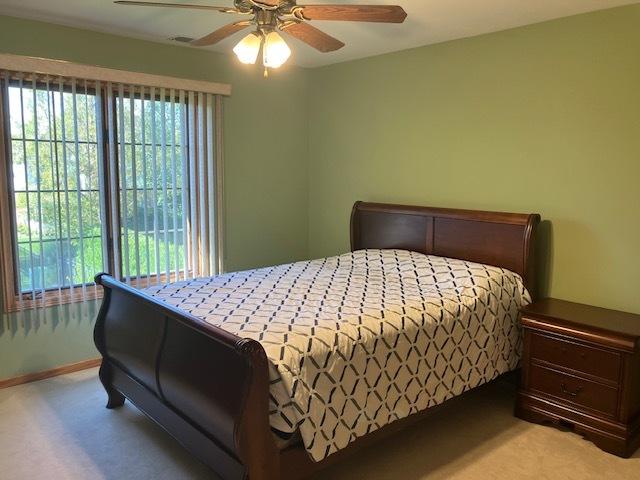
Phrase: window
{"type": "Point", "coordinates": [152, 165]}
{"type": "Point", "coordinates": [152, 185]}
{"type": "Point", "coordinates": [104, 177]}
{"type": "Point", "coordinates": [54, 180]}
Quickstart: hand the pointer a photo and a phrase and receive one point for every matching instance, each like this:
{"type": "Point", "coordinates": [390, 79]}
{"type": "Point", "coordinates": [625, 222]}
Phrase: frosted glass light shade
{"type": "Point", "coordinates": [275, 51]}
{"type": "Point", "coordinates": [248, 48]}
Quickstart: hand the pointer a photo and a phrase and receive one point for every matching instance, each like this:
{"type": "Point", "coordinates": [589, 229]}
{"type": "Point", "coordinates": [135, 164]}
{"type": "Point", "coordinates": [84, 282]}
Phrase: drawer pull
{"type": "Point", "coordinates": [570, 393]}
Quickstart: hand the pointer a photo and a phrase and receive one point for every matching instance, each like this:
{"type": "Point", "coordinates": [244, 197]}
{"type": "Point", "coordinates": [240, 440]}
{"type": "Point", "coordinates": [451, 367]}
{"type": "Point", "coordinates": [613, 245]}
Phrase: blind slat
{"type": "Point", "coordinates": [91, 203]}
{"type": "Point", "coordinates": [174, 184]}
{"type": "Point", "coordinates": [78, 184]}
{"type": "Point", "coordinates": [113, 182]}
{"type": "Point", "coordinates": [219, 181]}
{"type": "Point", "coordinates": [154, 174]}
{"type": "Point", "coordinates": [134, 180]}
{"type": "Point", "coordinates": [26, 183]}
{"type": "Point", "coordinates": [193, 192]}
{"type": "Point", "coordinates": [185, 176]}
{"type": "Point", "coordinates": [101, 176]}
{"type": "Point", "coordinates": [203, 243]}
{"type": "Point", "coordinates": [53, 156]}
{"type": "Point", "coordinates": [38, 186]}
{"type": "Point", "coordinates": [211, 202]}
{"type": "Point", "coordinates": [124, 210]}
{"type": "Point", "coordinates": [65, 170]}
{"type": "Point", "coordinates": [165, 198]}
{"type": "Point", "coordinates": [144, 181]}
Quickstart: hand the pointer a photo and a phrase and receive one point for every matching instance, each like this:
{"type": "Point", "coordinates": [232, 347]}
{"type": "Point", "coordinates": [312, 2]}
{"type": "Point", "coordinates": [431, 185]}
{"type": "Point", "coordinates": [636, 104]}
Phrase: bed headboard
{"type": "Point", "coordinates": [504, 240]}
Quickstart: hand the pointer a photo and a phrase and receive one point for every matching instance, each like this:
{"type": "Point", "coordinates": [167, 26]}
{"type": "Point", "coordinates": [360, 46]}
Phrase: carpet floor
{"type": "Point", "coordinates": [59, 429]}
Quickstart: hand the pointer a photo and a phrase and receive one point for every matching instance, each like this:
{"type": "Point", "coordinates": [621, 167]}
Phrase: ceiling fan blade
{"type": "Point", "coordinates": [269, 3]}
{"type": "Point", "coordinates": [174, 5]}
{"type": "Point", "coordinates": [355, 13]}
{"type": "Point", "coordinates": [312, 36]}
{"type": "Point", "coordinates": [220, 34]}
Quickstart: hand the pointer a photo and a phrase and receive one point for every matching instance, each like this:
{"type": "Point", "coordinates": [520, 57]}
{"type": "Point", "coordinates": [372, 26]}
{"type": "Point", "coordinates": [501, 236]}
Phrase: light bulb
{"type": "Point", "coordinates": [275, 51]}
{"type": "Point", "coordinates": [248, 48]}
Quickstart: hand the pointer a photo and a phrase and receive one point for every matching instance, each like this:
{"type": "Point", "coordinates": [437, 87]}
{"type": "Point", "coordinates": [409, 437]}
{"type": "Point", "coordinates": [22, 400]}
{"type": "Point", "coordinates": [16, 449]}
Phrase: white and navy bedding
{"type": "Point", "coordinates": [359, 340]}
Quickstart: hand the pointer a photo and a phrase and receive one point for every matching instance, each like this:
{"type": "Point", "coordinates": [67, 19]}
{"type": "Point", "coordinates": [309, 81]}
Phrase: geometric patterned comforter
{"type": "Point", "coordinates": [360, 340]}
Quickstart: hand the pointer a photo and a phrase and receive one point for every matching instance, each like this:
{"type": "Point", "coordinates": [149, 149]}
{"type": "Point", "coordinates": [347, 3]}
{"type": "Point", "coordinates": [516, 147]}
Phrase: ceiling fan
{"type": "Point", "coordinates": [269, 16]}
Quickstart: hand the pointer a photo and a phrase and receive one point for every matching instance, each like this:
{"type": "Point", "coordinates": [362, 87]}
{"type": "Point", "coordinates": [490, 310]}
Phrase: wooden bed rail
{"type": "Point", "coordinates": [208, 388]}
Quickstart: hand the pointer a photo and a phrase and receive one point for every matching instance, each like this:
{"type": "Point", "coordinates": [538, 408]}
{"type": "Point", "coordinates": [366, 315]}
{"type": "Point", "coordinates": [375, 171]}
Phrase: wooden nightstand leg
{"type": "Point", "coordinates": [608, 443]}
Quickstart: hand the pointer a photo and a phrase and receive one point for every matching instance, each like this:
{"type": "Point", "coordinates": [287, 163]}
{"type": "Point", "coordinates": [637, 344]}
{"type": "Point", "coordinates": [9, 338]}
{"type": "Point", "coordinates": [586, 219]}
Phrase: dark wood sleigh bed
{"type": "Point", "coordinates": [220, 413]}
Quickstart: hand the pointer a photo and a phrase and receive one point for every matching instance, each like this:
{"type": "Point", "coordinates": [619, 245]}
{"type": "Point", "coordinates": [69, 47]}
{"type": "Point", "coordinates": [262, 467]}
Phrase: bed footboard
{"type": "Point", "coordinates": [208, 388]}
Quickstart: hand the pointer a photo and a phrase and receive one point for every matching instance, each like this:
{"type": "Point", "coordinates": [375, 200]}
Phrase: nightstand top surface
{"type": "Point", "coordinates": [579, 315]}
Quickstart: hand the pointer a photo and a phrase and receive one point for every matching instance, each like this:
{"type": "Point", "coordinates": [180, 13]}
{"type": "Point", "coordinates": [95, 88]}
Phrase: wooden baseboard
{"type": "Point", "coordinates": [33, 377]}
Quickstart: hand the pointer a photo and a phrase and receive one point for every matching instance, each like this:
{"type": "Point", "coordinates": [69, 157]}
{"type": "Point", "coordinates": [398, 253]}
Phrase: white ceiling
{"type": "Point", "coordinates": [428, 21]}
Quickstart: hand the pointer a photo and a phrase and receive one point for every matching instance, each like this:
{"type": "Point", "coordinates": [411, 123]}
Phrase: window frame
{"type": "Point", "coordinates": [13, 299]}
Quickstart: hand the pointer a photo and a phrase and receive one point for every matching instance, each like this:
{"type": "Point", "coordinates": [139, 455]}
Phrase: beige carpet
{"type": "Point", "coordinates": [59, 429]}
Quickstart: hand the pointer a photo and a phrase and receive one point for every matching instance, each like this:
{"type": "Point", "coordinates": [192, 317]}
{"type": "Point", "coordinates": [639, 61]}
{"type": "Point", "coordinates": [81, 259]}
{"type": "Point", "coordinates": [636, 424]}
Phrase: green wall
{"type": "Point", "coordinates": [544, 118]}
{"type": "Point", "coordinates": [265, 177]}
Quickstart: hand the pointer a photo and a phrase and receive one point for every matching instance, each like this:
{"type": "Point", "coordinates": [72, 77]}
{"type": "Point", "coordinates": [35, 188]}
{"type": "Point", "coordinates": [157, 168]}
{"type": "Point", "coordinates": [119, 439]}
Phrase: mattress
{"type": "Point", "coordinates": [359, 340]}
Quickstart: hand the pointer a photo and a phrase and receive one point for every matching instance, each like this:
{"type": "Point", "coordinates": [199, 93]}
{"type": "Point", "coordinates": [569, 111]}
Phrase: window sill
{"type": "Point", "coordinates": [92, 292]}
{"type": "Point", "coordinates": [53, 299]}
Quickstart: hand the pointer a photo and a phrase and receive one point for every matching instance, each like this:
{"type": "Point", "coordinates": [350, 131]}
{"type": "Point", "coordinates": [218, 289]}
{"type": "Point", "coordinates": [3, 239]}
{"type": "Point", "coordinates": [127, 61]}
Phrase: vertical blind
{"type": "Point", "coordinates": [105, 176]}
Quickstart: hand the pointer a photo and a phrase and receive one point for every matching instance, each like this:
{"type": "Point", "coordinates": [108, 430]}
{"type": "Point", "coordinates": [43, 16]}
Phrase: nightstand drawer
{"type": "Point", "coordinates": [582, 358]}
{"type": "Point", "coordinates": [573, 389]}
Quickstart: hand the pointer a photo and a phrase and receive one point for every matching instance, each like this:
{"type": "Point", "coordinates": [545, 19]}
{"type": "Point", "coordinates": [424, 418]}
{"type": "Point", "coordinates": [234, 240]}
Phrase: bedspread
{"type": "Point", "coordinates": [359, 340]}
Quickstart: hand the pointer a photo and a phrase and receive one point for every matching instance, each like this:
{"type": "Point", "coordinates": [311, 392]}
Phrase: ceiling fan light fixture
{"type": "Point", "coordinates": [275, 51]}
{"type": "Point", "coordinates": [248, 48]}
{"type": "Point", "coordinates": [285, 15]}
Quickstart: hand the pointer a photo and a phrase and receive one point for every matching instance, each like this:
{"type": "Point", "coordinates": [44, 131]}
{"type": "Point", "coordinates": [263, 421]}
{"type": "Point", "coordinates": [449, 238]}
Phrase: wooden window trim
{"type": "Point", "coordinates": [52, 298]}
{"type": "Point", "coordinates": [6, 240]}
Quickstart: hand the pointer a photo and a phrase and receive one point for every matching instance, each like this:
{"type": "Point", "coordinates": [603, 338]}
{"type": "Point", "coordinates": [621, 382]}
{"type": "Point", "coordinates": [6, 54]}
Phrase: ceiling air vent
{"type": "Point", "coordinates": [182, 39]}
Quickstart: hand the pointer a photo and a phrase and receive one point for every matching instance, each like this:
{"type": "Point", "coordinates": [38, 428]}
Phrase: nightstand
{"type": "Point", "coordinates": [581, 369]}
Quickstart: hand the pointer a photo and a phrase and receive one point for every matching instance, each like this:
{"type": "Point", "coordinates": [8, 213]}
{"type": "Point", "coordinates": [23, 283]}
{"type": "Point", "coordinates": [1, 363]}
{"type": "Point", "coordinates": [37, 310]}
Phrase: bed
{"type": "Point", "coordinates": [278, 372]}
